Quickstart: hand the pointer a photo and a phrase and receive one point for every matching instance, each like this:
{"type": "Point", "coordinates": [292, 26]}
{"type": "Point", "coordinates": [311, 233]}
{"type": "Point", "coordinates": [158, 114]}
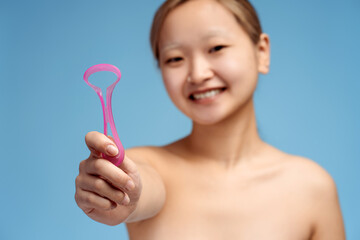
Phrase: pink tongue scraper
{"type": "Point", "coordinates": [107, 112]}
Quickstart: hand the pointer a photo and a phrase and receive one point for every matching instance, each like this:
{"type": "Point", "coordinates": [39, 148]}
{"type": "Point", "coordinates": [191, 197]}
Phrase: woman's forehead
{"type": "Point", "coordinates": [198, 12]}
{"type": "Point", "coordinates": [203, 18]}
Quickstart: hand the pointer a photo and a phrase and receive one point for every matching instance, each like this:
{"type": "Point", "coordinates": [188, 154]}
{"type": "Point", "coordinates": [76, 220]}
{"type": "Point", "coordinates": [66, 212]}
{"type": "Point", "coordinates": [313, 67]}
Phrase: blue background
{"type": "Point", "coordinates": [307, 105]}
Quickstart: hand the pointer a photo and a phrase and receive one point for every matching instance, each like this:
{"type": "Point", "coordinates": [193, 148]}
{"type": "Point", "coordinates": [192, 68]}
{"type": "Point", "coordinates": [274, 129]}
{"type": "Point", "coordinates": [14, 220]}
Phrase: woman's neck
{"type": "Point", "coordinates": [229, 142]}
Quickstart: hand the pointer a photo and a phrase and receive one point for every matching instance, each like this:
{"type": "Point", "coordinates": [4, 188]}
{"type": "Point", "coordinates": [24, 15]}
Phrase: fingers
{"type": "Point", "coordinates": [109, 172]}
{"type": "Point", "coordinates": [99, 143]}
{"type": "Point", "coordinates": [128, 166]}
{"type": "Point", "coordinates": [111, 138]}
{"type": "Point", "coordinates": [105, 194]}
{"type": "Point", "coordinates": [100, 184]}
{"type": "Point", "coordinates": [88, 201]}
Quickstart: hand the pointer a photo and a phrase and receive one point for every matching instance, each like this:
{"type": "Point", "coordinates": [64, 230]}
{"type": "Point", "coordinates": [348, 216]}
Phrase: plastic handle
{"type": "Point", "coordinates": [107, 111]}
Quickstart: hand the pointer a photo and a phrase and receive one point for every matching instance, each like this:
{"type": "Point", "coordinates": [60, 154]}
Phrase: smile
{"type": "Point", "coordinates": [207, 94]}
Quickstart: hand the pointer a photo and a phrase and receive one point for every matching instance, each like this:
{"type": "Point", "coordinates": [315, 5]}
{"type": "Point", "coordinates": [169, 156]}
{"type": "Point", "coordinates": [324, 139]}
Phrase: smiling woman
{"type": "Point", "coordinates": [205, 49]}
{"type": "Point", "coordinates": [222, 181]}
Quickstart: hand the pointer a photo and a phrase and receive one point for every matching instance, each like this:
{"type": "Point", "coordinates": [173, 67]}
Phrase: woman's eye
{"type": "Point", "coordinates": [216, 48]}
{"type": "Point", "coordinates": [175, 59]}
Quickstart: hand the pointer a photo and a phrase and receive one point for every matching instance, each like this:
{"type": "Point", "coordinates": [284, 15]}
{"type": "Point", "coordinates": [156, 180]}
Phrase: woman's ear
{"type": "Point", "coordinates": [263, 53]}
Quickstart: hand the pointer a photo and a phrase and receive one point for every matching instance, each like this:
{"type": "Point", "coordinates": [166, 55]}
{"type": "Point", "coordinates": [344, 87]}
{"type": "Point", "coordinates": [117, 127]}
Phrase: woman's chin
{"type": "Point", "coordinates": [206, 120]}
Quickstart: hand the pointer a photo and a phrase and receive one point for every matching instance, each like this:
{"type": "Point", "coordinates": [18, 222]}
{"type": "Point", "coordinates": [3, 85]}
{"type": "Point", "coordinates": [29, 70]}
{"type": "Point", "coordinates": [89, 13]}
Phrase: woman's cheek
{"type": "Point", "coordinates": [229, 71]}
{"type": "Point", "coordinates": [236, 69]}
{"type": "Point", "coordinates": [173, 87]}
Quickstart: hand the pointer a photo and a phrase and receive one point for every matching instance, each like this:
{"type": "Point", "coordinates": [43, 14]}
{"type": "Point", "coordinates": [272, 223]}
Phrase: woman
{"type": "Point", "coordinates": [221, 181]}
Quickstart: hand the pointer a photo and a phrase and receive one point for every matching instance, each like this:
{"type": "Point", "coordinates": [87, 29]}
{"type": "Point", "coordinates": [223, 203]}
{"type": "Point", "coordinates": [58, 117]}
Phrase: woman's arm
{"type": "Point", "coordinates": [328, 219]}
{"type": "Point", "coordinates": [153, 192]}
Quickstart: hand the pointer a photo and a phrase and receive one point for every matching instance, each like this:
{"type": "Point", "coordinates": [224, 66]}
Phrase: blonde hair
{"type": "Point", "coordinates": [242, 10]}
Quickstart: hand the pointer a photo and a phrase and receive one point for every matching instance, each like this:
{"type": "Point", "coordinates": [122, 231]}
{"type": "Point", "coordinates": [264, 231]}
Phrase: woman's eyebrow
{"type": "Point", "coordinates": [169, 46]}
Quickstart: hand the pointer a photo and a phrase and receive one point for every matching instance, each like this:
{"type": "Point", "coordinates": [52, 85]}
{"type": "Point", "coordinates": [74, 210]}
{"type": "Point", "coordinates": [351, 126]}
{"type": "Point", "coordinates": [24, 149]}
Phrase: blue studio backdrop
{"type": "Point", "coordinates": [307, 105]}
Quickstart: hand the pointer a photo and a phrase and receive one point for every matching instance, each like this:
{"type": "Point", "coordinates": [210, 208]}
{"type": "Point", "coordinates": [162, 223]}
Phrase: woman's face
{"type": "Point", "coordinates": [209, 64]}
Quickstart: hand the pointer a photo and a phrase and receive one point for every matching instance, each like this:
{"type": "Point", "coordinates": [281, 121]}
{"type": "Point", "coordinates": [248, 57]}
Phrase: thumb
{"type": "Point", "coordinates": [111, 138]}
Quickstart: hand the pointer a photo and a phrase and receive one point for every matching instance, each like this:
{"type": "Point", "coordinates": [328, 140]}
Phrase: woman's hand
{"type": "Point", "coordinates": [106, 193]}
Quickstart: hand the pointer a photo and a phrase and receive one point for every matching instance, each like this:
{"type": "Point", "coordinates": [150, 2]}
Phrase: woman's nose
{"type": "Point", "coordinates": [200, 70]}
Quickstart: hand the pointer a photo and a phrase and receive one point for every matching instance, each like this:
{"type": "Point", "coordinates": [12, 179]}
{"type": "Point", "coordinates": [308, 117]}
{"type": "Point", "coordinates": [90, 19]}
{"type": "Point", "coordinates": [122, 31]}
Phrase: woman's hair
{"type": "Point", "coordinates": [242, 10]}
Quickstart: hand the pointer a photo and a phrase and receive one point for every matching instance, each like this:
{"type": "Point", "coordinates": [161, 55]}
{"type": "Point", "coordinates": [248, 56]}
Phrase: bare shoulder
{"type": "Point", "coordinates": [301, 171]}
{"type": "Point", "coordinates": [319, 196]}
{"type": "Point", "coordinates": [312, 176]}
{"type": "Point", "coordinates": [313, 191]}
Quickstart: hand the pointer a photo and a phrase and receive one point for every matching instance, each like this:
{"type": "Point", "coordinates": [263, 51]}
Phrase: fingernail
{"type": "Point", "coordinates": [126, 200]}
{"type": "Point", "coordinates": [111, 150]}
{"type": "Point", "coordinates": [130, 185]}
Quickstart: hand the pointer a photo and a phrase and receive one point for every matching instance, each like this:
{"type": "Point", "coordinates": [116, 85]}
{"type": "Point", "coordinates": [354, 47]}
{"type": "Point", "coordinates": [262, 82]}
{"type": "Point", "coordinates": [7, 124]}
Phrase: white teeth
{"type": "Point", "coordinates": [207, 94]}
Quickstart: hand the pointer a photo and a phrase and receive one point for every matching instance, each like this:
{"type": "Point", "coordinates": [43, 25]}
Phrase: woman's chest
{"type": "Point", "coordinates": [211, 207]}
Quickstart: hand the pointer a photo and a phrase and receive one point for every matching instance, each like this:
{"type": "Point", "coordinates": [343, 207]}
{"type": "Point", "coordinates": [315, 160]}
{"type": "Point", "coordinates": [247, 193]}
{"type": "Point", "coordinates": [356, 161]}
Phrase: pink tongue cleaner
{"type": "Point", "coordinates": [107, 110]}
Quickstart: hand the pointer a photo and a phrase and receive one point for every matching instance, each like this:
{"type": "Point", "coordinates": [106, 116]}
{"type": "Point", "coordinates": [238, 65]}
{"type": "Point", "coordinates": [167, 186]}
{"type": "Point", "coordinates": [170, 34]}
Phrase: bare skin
{"type": "Point", "coordinates": [267, 195]}
{"type": "Point", "coordinates": [272, 201]}
{"type": "Point", "coordinates": [222, 181]}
